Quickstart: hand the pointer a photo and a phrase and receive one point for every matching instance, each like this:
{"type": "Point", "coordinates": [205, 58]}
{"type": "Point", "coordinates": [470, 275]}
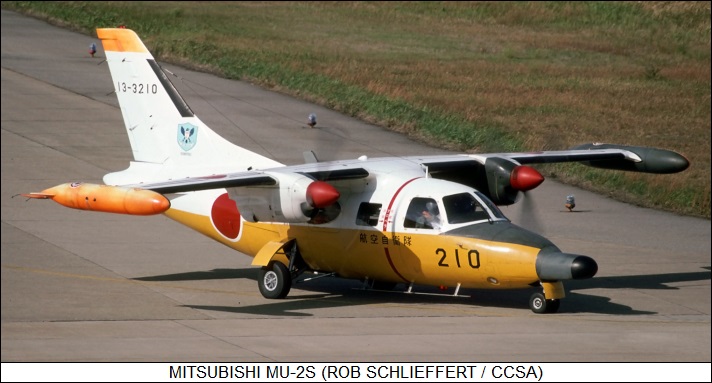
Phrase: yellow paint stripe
{"type": "Point", "coordinates": [120, 40]}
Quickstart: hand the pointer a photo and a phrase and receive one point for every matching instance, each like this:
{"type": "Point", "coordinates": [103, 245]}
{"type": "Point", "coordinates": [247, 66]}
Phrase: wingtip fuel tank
{"type": "Point", "coordinates": [105, 198]}
{"type": "Point", "coordinates": [649, 160]}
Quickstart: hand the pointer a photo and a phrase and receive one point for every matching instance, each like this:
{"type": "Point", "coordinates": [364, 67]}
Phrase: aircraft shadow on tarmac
{"type": "Point", "coordinates": [334, 292]}
{"type": "Point", "coordinates": [249, 273]}
{"type": "Point", "coordinates": [647, 282]}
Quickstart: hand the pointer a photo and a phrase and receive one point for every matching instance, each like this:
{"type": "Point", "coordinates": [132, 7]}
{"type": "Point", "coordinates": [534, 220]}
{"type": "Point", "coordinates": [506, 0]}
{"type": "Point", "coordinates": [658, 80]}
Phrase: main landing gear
{"type": "Point", "coordinates": [275, 279]}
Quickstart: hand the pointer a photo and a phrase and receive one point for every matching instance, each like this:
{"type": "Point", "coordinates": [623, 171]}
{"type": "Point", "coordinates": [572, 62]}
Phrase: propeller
{"type": "Point", "coordinates": [525, 179]}
{"type": "Point", "coordinates": [529, 214]}
{"type": "Point", "coordinates": [321, 202]}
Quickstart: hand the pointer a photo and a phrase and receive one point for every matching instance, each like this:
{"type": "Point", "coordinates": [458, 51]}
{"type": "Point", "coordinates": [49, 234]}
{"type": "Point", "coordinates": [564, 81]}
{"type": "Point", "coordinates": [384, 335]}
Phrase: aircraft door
{"type": "Point", "coordinates": [418, 220]}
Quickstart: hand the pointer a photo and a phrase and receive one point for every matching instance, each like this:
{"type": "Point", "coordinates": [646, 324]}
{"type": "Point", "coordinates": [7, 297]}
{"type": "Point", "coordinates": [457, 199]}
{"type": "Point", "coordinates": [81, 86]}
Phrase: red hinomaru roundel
{"type": "Point", "coordinates": [226, 217]}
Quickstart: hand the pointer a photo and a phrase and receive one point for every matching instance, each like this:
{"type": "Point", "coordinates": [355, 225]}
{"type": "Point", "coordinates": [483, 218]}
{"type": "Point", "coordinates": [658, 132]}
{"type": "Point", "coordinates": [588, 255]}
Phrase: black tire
{"type": "Point", "coordinates": [537, 303]}
{"type": "Point", "coordinates": [275, 281]}
{"type": "Point", "coordinates": [540, 305]}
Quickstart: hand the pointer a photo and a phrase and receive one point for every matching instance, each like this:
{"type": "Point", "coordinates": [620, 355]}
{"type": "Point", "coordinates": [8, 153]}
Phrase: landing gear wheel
{"type": "Point", "coordinates": [275, 281]}
{"type": "Point", "coordinates": [540, 305]}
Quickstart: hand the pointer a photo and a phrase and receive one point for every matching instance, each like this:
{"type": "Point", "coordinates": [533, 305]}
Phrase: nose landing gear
{"type": "Point", "coordinates": [547, 302]}
{"type": "Point", "coordinates": [540, 305]}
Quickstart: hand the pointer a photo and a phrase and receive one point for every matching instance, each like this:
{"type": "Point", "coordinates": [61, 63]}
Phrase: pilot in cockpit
{"type": "Point", "coordinates": [430, 218]}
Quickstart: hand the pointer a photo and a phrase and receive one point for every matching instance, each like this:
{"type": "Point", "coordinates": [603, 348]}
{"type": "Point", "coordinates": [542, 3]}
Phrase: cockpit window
{"type": "Point", "coordinates": [491, 206]}
{"type": "Point", "coordinates": [423, 213]}
{"type": "Point", "coordinates": [464, 207]}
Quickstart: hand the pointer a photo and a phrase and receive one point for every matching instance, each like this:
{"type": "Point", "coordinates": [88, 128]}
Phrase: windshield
{"type": "Point", "coordinates": [464, 207]}
{"type": "Point", "coordinates": [491, 206]}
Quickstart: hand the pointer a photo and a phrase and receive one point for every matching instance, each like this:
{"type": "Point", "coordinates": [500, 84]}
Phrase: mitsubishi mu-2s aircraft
{"type": "Point", "coordinates": [421, 220]}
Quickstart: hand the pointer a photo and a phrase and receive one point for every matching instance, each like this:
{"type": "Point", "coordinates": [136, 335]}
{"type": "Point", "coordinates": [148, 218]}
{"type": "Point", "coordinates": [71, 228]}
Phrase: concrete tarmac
{"type": "Point", "coordinates": [81, 286]}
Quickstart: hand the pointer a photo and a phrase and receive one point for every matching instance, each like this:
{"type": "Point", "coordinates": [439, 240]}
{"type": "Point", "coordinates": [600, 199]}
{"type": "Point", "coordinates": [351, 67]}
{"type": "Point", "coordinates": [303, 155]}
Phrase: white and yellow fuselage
{"type": "Point", "coordinates": [467, 254]}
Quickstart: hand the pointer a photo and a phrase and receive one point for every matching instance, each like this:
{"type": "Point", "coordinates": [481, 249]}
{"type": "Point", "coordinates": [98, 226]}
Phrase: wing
{"type": "Point", "coordinates": [221, 181]}
{"type": "Point", "coordinates": [607, 156]}
{"type": "Point", "coordinates": [291, 193]}
{"type": "Point", "coordinates": [499, 175]}
{"type": "Point", "coordinates": [502, 176]}
{"type": "Point", "coordinates": [263, 179]}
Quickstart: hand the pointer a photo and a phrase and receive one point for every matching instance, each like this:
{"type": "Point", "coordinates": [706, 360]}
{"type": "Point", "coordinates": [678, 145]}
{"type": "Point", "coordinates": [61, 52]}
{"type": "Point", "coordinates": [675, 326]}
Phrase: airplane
{"type": "Point", "coordinates": [419, 220]}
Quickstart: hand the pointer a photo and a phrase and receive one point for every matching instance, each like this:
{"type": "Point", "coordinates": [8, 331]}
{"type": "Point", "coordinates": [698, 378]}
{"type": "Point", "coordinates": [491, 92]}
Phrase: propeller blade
{"type": "Point", "coordinates": [529, 214]}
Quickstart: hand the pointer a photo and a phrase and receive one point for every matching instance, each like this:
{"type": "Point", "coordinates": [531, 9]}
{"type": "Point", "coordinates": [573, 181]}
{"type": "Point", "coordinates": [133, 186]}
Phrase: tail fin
{"type": "Point", "coordinates": [167, 139]}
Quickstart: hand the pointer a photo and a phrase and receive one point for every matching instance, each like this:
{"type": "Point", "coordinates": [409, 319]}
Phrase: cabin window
{"type": "Point", "coordinates": [368, 214]}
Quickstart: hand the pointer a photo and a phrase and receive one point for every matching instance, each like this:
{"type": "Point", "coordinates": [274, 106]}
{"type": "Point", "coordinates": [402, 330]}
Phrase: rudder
{"type": "Point", "coordinates": [166, 137]}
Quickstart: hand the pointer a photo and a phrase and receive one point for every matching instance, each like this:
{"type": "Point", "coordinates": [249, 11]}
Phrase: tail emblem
{"type": "Point", "coordinates": [187, 136]}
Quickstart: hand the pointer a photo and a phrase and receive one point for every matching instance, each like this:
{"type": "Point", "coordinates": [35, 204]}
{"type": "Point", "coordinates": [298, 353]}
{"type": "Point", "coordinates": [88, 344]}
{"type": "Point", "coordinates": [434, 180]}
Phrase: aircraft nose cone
{"type": "Point", "coordinates": [556, 266]}
{"type": "Point", "coordinates": [583, 267]}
